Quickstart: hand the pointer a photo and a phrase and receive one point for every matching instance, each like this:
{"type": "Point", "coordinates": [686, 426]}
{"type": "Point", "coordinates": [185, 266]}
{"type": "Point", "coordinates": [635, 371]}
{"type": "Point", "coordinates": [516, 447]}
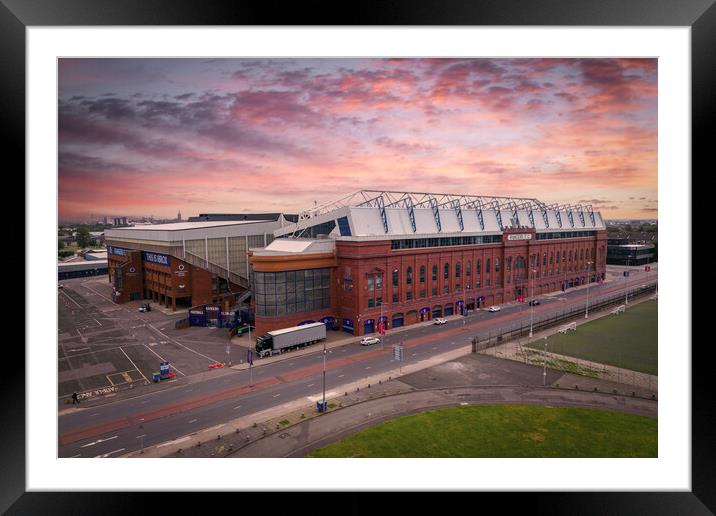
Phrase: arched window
{"type": "Point", "coordinates": [477, 267]}
{"type": "Point", "coordinates": [468, 268]}
{"type": "Point", "coordinates": [487, 266]}
{"type": "Point", "coordinates": [497, 264]}
{"type": "Point", "coordinates": [409, 276]}
{"type": "Point", "coordinates": [544, 259]}
{"type": "Point", "coordinates": [457, 270]}
{"type": "Point", "coordinates": [422, 274]}
{"type": "Point", "coordinates": [581, 254]}
{"type": "Point", "coordinates": [509, 263]}
{"type": "Point", "coordinates": [395, 278]}
{"type": "Point", "coordinates": [435, 272]}
{"type": "Point", "coordinates": [446, 271]}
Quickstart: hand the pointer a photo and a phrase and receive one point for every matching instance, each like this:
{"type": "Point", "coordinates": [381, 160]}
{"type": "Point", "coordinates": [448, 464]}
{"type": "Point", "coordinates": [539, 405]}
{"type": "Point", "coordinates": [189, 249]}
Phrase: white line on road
{"type": "Point", "coordinates": [95, 414]}
{"type": "Point", "coordinates": [98, 441]}
{"type": "Point", "coordinates": [177, 441]}
{"type": "Point", "coordinates": [310, 385]}
{"type": "Point", "coordinates": [108, 454]}
{"type": "Point", "coordinates": [237, 407]}
{"type": "Point", "coordinates": [135, 365]}
{"type": "Point", "coordinates": [277, 395]}
{"type": "Point", "coordinates": [192, 421]}
{"type": "Point", "coordinates": [177, 370]}
{"type": "Point", "coordinates": [74, 456]}
{"type": "Point", "coordinates": [180, 344]}
{"type": "Point", "coordinates": [339, 376]}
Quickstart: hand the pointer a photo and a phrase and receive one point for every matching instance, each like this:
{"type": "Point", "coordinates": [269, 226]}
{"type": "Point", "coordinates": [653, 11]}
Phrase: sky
{"type": "Point", "coordinates": [156, 136]}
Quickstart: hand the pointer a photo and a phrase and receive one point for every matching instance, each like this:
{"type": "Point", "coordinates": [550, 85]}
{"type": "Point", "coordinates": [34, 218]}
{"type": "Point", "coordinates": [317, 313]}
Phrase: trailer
{"type": "Point", "coordinates": [278, 341]}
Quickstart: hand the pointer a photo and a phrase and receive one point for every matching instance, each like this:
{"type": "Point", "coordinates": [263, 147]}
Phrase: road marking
{"type": "Point", "coordinates": [237, 407]}
{"type": "Point", "coordinates": [77, 349]}
{"type": "Point", "coordinates": [95, 414]}
{"type": "Point", "coordinates": [143, 435]}
{"type": "Point", "coordinates": [368, 367]}
{"type": "Point", "coordinates": [75, 456]}
{"type": "Point", "coordinates": [192, 421]}
{"type": "Point", "coordinates": [99, 441]}
{"type": "Point", "coordinates": [177, 441]}
{"type": "Point", "coordinates": [188, 390]}
{"type": "Point", "coordinates": [173, 367]}
{"type": "Point", "coordinates": [135, 365]}
{"type": "Point", "coordinates": [341, 375]}
{"type": "Point", "coordinates": [108, 454]}
{"type": "Point", "coordinates": [277, 395]}
{"type": "Point", "coordinates": [182, 345]}
{"type": "Point", "coordinates": [310, 385]}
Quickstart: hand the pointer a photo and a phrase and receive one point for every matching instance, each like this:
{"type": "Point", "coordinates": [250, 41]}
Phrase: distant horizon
{"type": "Point", "coordinates": [144, 135]}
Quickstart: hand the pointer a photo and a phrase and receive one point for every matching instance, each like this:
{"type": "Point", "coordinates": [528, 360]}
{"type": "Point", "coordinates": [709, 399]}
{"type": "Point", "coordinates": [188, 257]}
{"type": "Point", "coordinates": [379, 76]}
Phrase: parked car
{"type": "Point", "coordinates": [533, 302]}
{"type": "Point", "coordinates": [440, 320]}
{"type": "Point", "coordinates": [367, 341]}
{"type": "Point", "coordinates": [60, 285]}
{"type": "Point", "coordinates": [493, 309]}
{"type": "Point", "coordinates": [145, 308]}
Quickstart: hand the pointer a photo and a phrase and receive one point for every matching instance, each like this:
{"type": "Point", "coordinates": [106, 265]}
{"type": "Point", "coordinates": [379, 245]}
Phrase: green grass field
{"type": "Point", "coordinates": [628, 340]}
{"type": "Point", "coordinates": [504, 431]}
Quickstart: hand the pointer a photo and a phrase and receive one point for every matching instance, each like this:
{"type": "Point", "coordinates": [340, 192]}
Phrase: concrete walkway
{"type": "Point", "coordinates": [388, 402]}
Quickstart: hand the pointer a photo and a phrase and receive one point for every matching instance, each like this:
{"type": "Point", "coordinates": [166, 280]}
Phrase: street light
{"type": "Point", "coordinates": [324, 376]}
{"type": "Point", "coordinates": [589, 280]}
{"type": "Point", "coordinates": [532, 305]}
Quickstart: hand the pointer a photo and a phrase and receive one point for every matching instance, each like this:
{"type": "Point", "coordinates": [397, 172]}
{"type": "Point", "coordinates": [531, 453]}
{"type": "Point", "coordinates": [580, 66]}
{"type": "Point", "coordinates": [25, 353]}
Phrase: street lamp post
{"type": "Point", "coordinates": [589, 280]}
{"type": "Point", "coordinates": [324, 375]}
{"type": "Point", "coordinates": [532, 305]}
{"type": "Point", "coordinates": [544, 370]}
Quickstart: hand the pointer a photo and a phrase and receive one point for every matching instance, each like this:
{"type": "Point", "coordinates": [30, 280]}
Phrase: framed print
{"type": "Point", "coordinates": [139, 113]}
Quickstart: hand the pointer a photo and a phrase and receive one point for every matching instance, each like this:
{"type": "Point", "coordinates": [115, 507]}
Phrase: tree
{"type": "Point", "coordinates": [83, 237]}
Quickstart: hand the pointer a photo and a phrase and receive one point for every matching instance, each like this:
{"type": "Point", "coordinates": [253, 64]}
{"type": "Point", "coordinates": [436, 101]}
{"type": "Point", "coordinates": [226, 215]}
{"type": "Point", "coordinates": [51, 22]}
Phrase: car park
{"type": "Point", "coordinates": [493, 309]}
{"type": "Point", "coordinates": [534, 302]}
{"type": "Point", "coordinates": [367, 341]}
{"type": "Point", "coordinates": [440, 320]}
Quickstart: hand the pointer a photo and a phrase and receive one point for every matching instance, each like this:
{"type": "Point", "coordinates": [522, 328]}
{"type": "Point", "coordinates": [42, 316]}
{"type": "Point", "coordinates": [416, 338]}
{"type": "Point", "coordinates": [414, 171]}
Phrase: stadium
{"type": "Point", "coordinates": [371, 258]}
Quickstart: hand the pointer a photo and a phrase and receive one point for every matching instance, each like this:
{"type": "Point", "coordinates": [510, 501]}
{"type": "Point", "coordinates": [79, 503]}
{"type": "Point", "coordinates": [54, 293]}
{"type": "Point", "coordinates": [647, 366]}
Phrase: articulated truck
{"type": "Point", "coordinates": [278, 341]}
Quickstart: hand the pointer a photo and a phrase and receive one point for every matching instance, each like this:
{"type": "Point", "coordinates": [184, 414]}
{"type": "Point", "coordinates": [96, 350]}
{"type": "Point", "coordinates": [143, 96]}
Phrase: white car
{"type": "Point", "coordinates": [493, 309]}
{"type": "Point", "coordinates": [367, 341]}
{"type": "Point", "coordinates": [440, 320]}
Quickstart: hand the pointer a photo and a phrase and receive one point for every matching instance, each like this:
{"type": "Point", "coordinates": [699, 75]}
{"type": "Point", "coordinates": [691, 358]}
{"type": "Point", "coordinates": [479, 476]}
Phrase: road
{"type": "Point", "coordinates": [119, 427]}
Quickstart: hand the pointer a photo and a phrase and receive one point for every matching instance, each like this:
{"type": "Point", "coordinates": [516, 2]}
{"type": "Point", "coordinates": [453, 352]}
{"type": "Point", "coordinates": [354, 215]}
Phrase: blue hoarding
{"type": "Point", "coordinates": [159, 259]}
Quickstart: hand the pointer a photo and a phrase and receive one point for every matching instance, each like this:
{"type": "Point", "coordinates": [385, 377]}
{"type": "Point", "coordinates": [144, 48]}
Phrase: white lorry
{"type": "Point", "coordinates": [278, 341]}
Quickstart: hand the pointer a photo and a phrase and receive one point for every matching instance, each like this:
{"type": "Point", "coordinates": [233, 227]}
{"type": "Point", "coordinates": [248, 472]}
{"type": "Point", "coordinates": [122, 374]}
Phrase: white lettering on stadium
{"type": "Point", "coordinates": [520, 236]}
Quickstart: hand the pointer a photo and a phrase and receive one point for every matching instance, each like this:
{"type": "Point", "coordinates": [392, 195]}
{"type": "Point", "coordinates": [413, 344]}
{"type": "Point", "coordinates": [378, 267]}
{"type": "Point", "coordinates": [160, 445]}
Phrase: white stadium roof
{"type": "Point", "coordinates": [370, 214]}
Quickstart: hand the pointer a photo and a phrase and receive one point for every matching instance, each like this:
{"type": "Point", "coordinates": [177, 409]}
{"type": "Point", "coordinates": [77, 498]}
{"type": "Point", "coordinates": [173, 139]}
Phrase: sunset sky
{"type": "Point", "coordinates": [154, 136]}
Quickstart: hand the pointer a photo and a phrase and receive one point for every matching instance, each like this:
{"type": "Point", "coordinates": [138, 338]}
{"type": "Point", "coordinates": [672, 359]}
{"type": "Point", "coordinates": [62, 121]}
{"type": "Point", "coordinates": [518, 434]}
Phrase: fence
{"type": "Point", "coordinates": [512, 335]}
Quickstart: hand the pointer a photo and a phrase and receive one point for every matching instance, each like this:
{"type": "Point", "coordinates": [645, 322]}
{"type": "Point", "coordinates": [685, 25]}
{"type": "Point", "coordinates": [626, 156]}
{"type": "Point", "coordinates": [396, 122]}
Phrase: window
{"type": "Point", "coordinates": [378, 281]}
{"type": "Point", "coordinates": [409, 295]}
{"type": "Point", "coordinates": [497, 264]}
{"type": "Point", "coordinates": [371, 283]}
{"type": "Point", "coordinates": [435, 272]}
{"type": "Point", "coordinates": [395, 297]}
{"type": "Point", "coordinates": [509, 263]}
{"type": "Point", "coordinates": [457, 270]}
{"type": "Point", "coordinates": [395, 278]}
{"type": "Point", "coordinates": [446, 271]}
{"type": "Point", "coordinates": [477, 268]}
{"type": "Point", "coordinates": [544, 259]}
{"type": "Point", "coordinates": [487, 266]}
{"type": "Point", "coordinates": [422, 274]}
{"type": "Point", "coordinates": [446, 289]}
{"type": "Point", "coordinates": [378, 301]}
{"type": "Point", "coordinates": [371, 302]}
{"type": "Point", "coordinates": [434, 291]}
{"type": "Point", "coordinates": [409, 276]}
{"type": "Point", "coordinates": [468, 269]}
{"type": "Point", "coordinates": [422, 293]}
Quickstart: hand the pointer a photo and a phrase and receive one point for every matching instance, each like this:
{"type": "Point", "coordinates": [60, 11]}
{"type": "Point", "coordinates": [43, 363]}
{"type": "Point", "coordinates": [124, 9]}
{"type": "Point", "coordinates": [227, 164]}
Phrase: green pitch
{"type": "Point", "coordinates": [504, 431]}
{"type": "Point", "coordinates": [628, 340]}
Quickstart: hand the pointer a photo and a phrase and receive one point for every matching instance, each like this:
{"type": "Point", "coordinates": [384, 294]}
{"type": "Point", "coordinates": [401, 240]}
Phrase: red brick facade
{"type": "Point", "coordinates": [422, 291]}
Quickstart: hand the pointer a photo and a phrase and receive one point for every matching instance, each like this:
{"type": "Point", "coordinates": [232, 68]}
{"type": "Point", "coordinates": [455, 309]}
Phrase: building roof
{"type": "Point", "coordinates": [293, 246]}
{"type": "Point", "coordinates": [178, 231]}
{"type": "Point", "coordinates": [241, 216]}
{"type": "Point", "coordinates": [371, 214]}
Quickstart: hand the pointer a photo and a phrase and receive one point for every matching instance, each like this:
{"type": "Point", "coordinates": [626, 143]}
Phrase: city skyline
{"type": "Point", "coordinates": [236, 135]}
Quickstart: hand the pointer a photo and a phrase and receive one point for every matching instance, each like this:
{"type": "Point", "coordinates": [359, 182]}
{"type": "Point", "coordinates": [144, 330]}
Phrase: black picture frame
{"type": "Point", "coordinates": [699, 15]}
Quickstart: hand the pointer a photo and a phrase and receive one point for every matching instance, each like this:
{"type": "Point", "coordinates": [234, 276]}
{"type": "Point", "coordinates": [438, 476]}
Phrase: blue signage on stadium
{"type": "Point", "coordinates": [118, 251]}
{"type": "Point", "coordinates": [159, 259]}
